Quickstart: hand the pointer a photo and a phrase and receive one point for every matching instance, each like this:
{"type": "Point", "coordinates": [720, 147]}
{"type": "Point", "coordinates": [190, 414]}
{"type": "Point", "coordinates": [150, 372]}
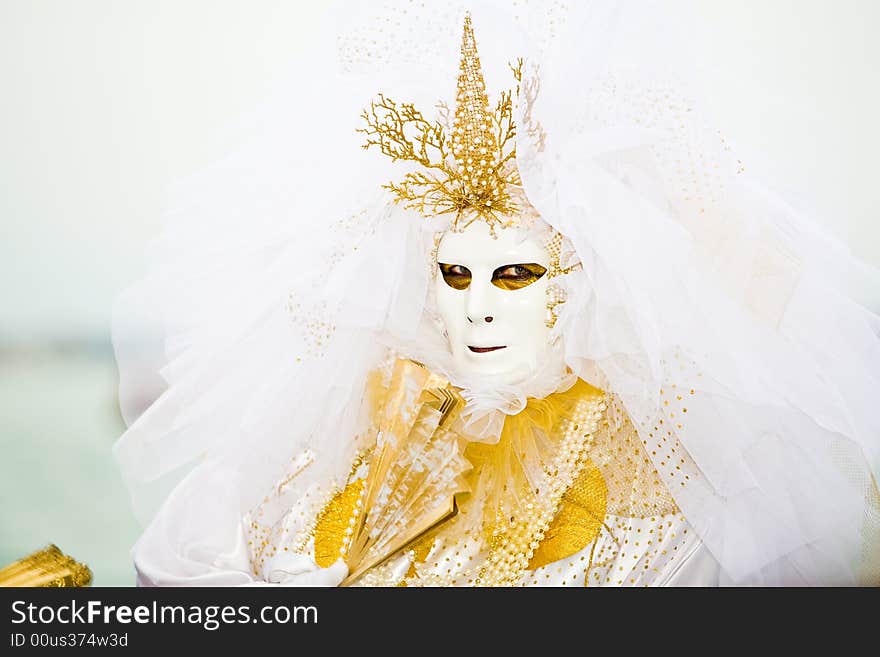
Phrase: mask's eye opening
{"type": "Point", "coordinates": [514, 277]}
{"type": "Point", "coordinates": [456, 276]}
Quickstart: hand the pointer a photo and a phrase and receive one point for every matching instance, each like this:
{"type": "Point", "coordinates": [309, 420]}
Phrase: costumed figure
{"type": "Point", "coordinates": [572, 343]}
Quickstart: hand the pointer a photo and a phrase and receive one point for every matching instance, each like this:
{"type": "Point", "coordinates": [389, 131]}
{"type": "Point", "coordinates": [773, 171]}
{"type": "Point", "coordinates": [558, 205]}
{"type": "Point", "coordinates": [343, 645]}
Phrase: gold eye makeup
{"type": "Point", "coordinates": [456, 276]}
{"type": "Point", "coordinates": [514, 277]}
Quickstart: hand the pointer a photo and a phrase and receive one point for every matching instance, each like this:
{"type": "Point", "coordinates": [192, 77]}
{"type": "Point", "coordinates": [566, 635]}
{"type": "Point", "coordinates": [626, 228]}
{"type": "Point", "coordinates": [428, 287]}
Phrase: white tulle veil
{"type": "Point", "coordinates": [715, 311]}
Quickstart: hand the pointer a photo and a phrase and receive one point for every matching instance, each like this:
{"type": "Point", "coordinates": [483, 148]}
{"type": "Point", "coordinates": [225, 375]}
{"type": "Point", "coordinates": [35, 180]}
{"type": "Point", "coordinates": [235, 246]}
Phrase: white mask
{"type": "Point", "coordinates": [496, 321]}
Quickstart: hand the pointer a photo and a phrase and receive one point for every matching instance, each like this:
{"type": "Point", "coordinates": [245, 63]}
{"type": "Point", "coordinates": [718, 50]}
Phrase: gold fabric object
{"type": "Point", "coordinates": [578, 522]}
{"type": "Point", "coordinates": [470, 171]}
{"type": "Point", "coordinates": [49, 567]}
{"type": "Point", "coordinates": [333, 521]}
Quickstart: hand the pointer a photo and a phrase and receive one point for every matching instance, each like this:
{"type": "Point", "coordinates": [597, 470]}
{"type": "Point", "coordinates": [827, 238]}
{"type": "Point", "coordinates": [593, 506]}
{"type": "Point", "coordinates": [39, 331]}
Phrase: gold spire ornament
{"type": "Point", "coordinates": [469, 174]}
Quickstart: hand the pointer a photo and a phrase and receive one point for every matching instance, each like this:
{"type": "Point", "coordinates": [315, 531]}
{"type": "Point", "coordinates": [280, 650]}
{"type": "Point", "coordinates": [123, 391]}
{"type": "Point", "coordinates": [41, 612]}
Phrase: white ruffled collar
{"type": "Point", "coordinates": [489, 401]}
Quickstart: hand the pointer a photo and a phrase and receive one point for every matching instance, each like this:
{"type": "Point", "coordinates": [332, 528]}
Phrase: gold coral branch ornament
{"type": "Point", "coordinates": [469, 174]}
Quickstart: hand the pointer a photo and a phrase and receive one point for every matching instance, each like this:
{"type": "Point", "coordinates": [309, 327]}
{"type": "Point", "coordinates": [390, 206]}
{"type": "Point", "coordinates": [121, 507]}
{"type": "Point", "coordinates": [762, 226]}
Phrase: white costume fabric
{"type": "Point", "coordinates": [715, 313]}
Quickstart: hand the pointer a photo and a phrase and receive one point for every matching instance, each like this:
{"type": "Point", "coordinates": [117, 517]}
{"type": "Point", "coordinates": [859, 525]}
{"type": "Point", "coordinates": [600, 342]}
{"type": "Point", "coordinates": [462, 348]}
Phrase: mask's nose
{"type": "Point", "coordinates": [477, 309]}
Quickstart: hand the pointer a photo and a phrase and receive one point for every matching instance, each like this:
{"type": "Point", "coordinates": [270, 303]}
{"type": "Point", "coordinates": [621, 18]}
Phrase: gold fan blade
{"type": "Point", "coordinates": [426, 525]}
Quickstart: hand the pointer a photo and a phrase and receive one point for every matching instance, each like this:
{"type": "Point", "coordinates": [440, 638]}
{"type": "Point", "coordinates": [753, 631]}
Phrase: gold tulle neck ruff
{"type": "Point", "coordinates": [514, 469]}
{"type": "Point", "coordinates": [518, 484]}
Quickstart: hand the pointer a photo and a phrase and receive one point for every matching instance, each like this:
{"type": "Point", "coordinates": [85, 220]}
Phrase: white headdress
{"type": "Point", "coordinates": [708, 305]}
